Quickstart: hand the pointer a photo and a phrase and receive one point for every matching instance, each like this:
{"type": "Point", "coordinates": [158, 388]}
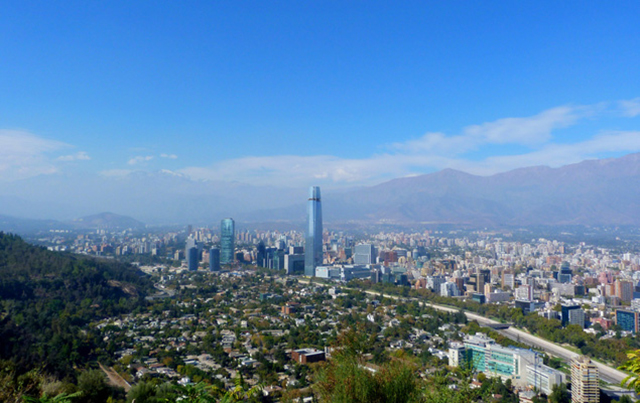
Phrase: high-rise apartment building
{"type": "Point", "coordinates": [584, 381]}
{"type": "Point", "coordinates": [623, 290]}
{"type": "Point", "coordinates": [508, 280]}
{"type": "Point", "coordinates": [524, 293]}
{"type": "Point", "coordinates": [227, 238]}
{"type": "Point", "coordinates": [313, 241]}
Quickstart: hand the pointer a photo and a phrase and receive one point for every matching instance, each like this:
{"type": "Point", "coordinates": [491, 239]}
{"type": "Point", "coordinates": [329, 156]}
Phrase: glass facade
{"type": "Point", "coordinates": [490, 358]}
{"type": "Point", "coordinates": [214, 259]}
{"type": "Point", "coordinates": [227, 237]}
{"type": "Point", "coordinates": [313, 240]}
{"type": "Point", "coordinates": [192, 258]}
{"type": "Point", "coordinates": [627, 320]}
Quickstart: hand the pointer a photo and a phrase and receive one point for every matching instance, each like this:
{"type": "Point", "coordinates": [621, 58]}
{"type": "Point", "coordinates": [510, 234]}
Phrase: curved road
{"type": "Point", "coordinates": [607, 374]}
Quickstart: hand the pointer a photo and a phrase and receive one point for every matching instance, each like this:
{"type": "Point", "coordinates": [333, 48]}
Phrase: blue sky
{"type": "Point", "coordinates": [295, 93]}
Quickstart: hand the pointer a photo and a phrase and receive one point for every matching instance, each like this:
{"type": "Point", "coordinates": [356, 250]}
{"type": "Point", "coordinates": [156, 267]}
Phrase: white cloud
{"type": "Point", "coordinates": [115, 173]}
{"type": "Point", "coordinates": [553, 155]}
{"type": "Point", "coordinates": [23, 155]}
{"type": "Point", "coordinates": [435, 151]}
{"type": "Point", "coordinates": [630, 108]}
{"type": "Point", "coordinates": [79, 156]}
{"type": "Point", "coordinates": [528, 131]}
{"type": "Point", "coordinates": [169, 156]}
{"type": "Point", "coordinates": [140, 159]}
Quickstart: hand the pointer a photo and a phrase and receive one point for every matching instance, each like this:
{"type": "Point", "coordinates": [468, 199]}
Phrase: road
{"type": "Point", "coordinates": [607, 374]}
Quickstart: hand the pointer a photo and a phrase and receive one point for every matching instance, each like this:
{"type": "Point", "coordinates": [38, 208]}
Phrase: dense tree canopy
{"type": "Point", "coordinates": [47, 298]}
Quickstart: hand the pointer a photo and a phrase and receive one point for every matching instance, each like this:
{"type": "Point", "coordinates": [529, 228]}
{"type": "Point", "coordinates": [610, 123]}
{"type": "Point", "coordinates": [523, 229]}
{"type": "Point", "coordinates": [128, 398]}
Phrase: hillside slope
{"type": "Point", "coordinates": [47, 298]}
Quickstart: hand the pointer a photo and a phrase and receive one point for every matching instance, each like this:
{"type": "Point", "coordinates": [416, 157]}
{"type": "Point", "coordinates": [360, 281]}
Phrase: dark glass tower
{"type": "Point", "coordinates": [192, 258]}
{"type": "Point", "coordinates": [214, 259]}
{"type": "Point", "coordinates": [227, 237]}
{"type": "Point", "coordinates": [313, 240]}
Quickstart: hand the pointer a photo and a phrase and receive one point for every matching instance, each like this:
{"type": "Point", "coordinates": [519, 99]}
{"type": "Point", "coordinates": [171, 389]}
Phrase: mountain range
{"type": "Point", "coordinates": [592, 192]}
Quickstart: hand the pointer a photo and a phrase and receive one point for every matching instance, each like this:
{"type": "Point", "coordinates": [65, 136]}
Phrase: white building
{"type": "Point", "coordinates": [449, 289]}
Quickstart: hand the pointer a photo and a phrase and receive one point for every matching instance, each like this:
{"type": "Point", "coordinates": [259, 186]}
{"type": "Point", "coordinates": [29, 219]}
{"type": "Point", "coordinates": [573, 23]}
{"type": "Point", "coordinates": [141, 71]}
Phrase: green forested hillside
{"type": "Point", "coordinates": [47, 299]}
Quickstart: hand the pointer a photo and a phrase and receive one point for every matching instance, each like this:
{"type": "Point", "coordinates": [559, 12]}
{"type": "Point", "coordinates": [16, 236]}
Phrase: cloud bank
{"type": "Point", "coordinates": [435, 151]}
{"type": "Point", "coordinates": [521, 141]}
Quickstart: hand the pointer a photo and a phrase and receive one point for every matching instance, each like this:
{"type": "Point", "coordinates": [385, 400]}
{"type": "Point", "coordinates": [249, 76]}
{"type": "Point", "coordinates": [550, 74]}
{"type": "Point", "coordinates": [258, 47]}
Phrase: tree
{"type": "Point", "coordinates": [560, 394]}
{"type": "Point", "coordinates": [94, 387]}
{"type": "Point", "coordinates": [625, 399]}
{"type": "Point", "coordinates": [346, 379]}
{"type": "Point", "coordinates": [633, 366]}
{"type": "Point", "coordinates": [196, 393]}
{"type": "Point", "coordinates": [143, 392]}
{"type": "Point", "coordinates": [240, 392]}
{"type": "Point", "coordinates": [61, 398]}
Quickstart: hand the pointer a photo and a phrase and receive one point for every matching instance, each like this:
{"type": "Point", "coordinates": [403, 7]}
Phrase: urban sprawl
{"type": "Point", "coordinates": [269, 303]}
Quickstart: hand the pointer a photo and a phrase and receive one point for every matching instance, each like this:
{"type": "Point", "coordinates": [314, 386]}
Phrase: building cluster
{"type": "Point", "coordinates": [524, 368]}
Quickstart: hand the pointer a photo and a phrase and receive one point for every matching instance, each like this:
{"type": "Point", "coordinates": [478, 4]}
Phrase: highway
{"type": "Point", "coordinates": [607, 373]}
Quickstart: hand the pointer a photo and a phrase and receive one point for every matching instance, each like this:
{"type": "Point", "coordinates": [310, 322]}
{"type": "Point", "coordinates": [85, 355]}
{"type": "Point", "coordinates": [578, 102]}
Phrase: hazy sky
{"type": "Point", "coordinates": [314, 92]}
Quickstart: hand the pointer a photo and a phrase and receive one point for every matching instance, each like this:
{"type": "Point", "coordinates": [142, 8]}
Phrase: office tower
{"type": "Point", "coordinates": [227, 237]}
{"type": "Point", "coordinates": [483, 277]}
{"type": "Point", "coordinates": [313, 241]}
{"type": "Point", "coordinates": [584, 381]}
{"type": "Point", "coordinates": [565, 274]}
{"type": "Point", "coordinates": [365, 254]}
{"type": "Point", "coordinates": [627, 320]}
{"type": "Point", "coordinates": [576, 317]}
{"type": "Point", "coordinates": [261, 255]}
{"type": "Point", "coordinates": [214, 259]}
{"type": "Point", "coordinates": [192, 258]}
{"type": "Point", "coordinates": [565, 313]}
{"type": "Point", "coordinates": [190, 243]}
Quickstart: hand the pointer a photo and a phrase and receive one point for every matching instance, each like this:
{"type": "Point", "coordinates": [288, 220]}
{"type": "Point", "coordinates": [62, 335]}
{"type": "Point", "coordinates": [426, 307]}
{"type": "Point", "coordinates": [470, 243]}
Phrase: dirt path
{"type": "Point", "coordinates": [115, 379]}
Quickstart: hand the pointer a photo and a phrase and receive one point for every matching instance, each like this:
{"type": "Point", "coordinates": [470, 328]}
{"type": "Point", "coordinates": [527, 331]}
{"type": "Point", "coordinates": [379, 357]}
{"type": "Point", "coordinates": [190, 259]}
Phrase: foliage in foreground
{"type": "Point", "coordinates": [346, 378]}
{"type": "Point", "coordinates": [633, 366]}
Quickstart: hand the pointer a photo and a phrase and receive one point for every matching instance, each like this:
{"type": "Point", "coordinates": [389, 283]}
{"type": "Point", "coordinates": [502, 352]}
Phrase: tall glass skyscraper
{"type": "Point", "coordinates": [313, 240]}
{"type": "Point", "coordinates": [227, 237]}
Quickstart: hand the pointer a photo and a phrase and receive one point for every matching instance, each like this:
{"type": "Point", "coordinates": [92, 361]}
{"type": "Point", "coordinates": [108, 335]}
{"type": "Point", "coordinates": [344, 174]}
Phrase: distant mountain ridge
{"type": "Point", "coordinates": [593, 192]}
{"type": "Point", "coordinates": [107, 221]}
